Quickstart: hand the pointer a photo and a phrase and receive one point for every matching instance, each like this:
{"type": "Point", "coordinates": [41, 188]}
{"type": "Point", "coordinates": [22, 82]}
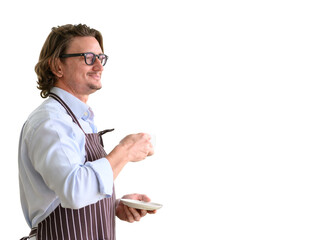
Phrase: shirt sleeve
{"type": "Point", "coordinates": [58, 155]}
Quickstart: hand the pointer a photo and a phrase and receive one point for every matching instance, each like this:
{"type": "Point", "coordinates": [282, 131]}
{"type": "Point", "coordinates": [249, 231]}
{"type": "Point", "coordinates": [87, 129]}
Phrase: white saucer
{"type": "Point", "coordinates": [141, 205]}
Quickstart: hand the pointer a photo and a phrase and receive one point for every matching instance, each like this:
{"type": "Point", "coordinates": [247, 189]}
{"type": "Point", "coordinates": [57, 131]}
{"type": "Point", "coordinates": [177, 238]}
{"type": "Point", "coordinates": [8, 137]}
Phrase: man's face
{"type": "Point", "coordinates": [77, 77]}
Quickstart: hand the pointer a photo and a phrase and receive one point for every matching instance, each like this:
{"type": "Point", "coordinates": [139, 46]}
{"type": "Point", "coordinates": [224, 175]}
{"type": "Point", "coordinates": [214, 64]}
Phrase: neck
{"type": "Point", "coordinates": [71, 90]}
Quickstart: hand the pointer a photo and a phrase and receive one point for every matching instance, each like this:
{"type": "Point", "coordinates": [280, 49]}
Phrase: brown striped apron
{"type": "Point", "coordinates": [95, 221]}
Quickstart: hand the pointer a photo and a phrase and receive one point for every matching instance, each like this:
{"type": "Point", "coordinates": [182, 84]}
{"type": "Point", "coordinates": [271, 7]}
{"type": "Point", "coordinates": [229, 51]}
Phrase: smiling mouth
{"type": "Point", "coordinates": [94, 75]}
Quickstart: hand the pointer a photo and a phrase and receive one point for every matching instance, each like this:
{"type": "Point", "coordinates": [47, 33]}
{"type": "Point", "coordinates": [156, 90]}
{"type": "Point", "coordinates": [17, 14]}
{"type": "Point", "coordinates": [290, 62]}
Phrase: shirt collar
{"type": "Point", "coordinates": [79, 108]}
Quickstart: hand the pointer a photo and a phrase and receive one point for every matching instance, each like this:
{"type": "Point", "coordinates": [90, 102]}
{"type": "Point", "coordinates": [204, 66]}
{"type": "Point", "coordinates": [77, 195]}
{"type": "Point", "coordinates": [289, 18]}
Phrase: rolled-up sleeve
{"type": "Point", "coordinates": [104, 174]}
{"type": "Point", "coordinates": [56, 149]}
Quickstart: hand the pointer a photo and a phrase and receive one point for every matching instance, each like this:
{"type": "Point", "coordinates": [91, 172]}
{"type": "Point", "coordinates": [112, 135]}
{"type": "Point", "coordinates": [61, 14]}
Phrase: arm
{"type": "Point", "coordinates": [57, 152]}
{"type": "Point", "coordinates": [58, 156]}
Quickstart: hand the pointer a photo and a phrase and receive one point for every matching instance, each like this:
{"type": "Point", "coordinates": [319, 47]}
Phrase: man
{"type": "Point", "coordinates": [66, 177]}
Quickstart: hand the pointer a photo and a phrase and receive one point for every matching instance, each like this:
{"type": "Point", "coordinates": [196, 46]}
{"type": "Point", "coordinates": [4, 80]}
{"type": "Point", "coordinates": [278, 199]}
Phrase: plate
{"type": "Point", "coordinates": [141, 205]}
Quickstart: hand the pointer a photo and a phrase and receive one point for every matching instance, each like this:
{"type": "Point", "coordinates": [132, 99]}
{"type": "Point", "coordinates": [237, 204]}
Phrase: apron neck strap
{"type": "Point", "coordinates": [68, 110]}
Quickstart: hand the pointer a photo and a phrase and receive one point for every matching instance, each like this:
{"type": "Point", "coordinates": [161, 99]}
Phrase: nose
{"type": "Point", "coordinates": [97, 66]}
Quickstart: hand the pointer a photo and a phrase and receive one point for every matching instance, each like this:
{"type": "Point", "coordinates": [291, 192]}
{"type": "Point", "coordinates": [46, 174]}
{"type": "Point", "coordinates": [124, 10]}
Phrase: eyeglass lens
{"type": "Point", "coordinates": [90, 58]}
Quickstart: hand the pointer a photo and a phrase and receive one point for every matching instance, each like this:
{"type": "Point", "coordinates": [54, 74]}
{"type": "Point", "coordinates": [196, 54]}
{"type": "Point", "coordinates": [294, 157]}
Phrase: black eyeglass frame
{"type": "Point", "coordinates": [85, 55]}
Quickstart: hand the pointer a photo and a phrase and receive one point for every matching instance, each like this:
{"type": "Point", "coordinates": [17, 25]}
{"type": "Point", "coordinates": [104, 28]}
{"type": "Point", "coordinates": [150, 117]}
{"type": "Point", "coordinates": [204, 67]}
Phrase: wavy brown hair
{"type": "Point", "coordinates": [55, 45]}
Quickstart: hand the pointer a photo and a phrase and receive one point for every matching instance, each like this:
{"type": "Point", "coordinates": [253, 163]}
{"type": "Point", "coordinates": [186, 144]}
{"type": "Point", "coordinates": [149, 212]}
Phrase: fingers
{"type": "Point", "coordinates": [137, 146]}
{"type": "Point", "coordinates": [133, 214]}
{"type": "Point", "coordinates": [129, 215]}
{"type": "Point", "coordinates": [152, 211]}
{"type": "Point", "coordinates": [151, 150]}
{"type": "Point", "coordinates": [143, 212]}
{"type": "Point", "coordinates": [148, 144]}
{"type": "Point", "coordinates": [142, 197]}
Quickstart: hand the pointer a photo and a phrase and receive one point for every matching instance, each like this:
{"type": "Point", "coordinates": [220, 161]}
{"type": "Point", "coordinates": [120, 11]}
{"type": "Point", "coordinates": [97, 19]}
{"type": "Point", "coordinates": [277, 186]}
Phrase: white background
{"type": "Point", "coordinates": [236, 92]}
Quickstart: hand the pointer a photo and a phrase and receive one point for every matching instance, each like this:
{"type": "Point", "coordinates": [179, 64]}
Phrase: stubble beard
{"type": "Point", "coordinates": [94, 87]}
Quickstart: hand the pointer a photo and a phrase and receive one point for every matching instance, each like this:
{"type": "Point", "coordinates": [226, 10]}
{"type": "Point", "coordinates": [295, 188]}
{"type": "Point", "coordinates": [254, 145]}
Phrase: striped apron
{"type": "Point", "coordinates": [95, 221]}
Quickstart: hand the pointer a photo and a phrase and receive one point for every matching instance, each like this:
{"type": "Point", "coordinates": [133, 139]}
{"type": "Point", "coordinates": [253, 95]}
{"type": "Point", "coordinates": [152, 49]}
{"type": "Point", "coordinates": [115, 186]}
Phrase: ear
{"type": "Point", "coordinates": [56, 67]}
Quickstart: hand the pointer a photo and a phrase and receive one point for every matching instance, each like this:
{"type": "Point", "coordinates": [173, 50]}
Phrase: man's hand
{"type": "Point", "coordinates": [129, 214]}
{"type": "Point", "coordinates": [132, 148]}
{"type": "Point", "coordinates": [137, 146]}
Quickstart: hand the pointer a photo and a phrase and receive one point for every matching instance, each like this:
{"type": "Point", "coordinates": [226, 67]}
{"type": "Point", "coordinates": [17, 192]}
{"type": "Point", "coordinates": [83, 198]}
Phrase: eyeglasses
{"type": "Point", "coordinates": [89, 57]}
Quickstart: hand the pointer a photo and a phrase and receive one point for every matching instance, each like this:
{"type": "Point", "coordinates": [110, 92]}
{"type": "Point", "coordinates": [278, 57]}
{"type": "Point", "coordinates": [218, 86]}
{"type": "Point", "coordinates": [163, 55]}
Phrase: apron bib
{"type": "Point", "coordinates": [95, 221]}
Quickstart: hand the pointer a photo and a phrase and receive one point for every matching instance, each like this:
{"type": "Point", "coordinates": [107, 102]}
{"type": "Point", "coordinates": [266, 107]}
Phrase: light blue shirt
{"type": "Point", "coordinates": [51, 160]}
